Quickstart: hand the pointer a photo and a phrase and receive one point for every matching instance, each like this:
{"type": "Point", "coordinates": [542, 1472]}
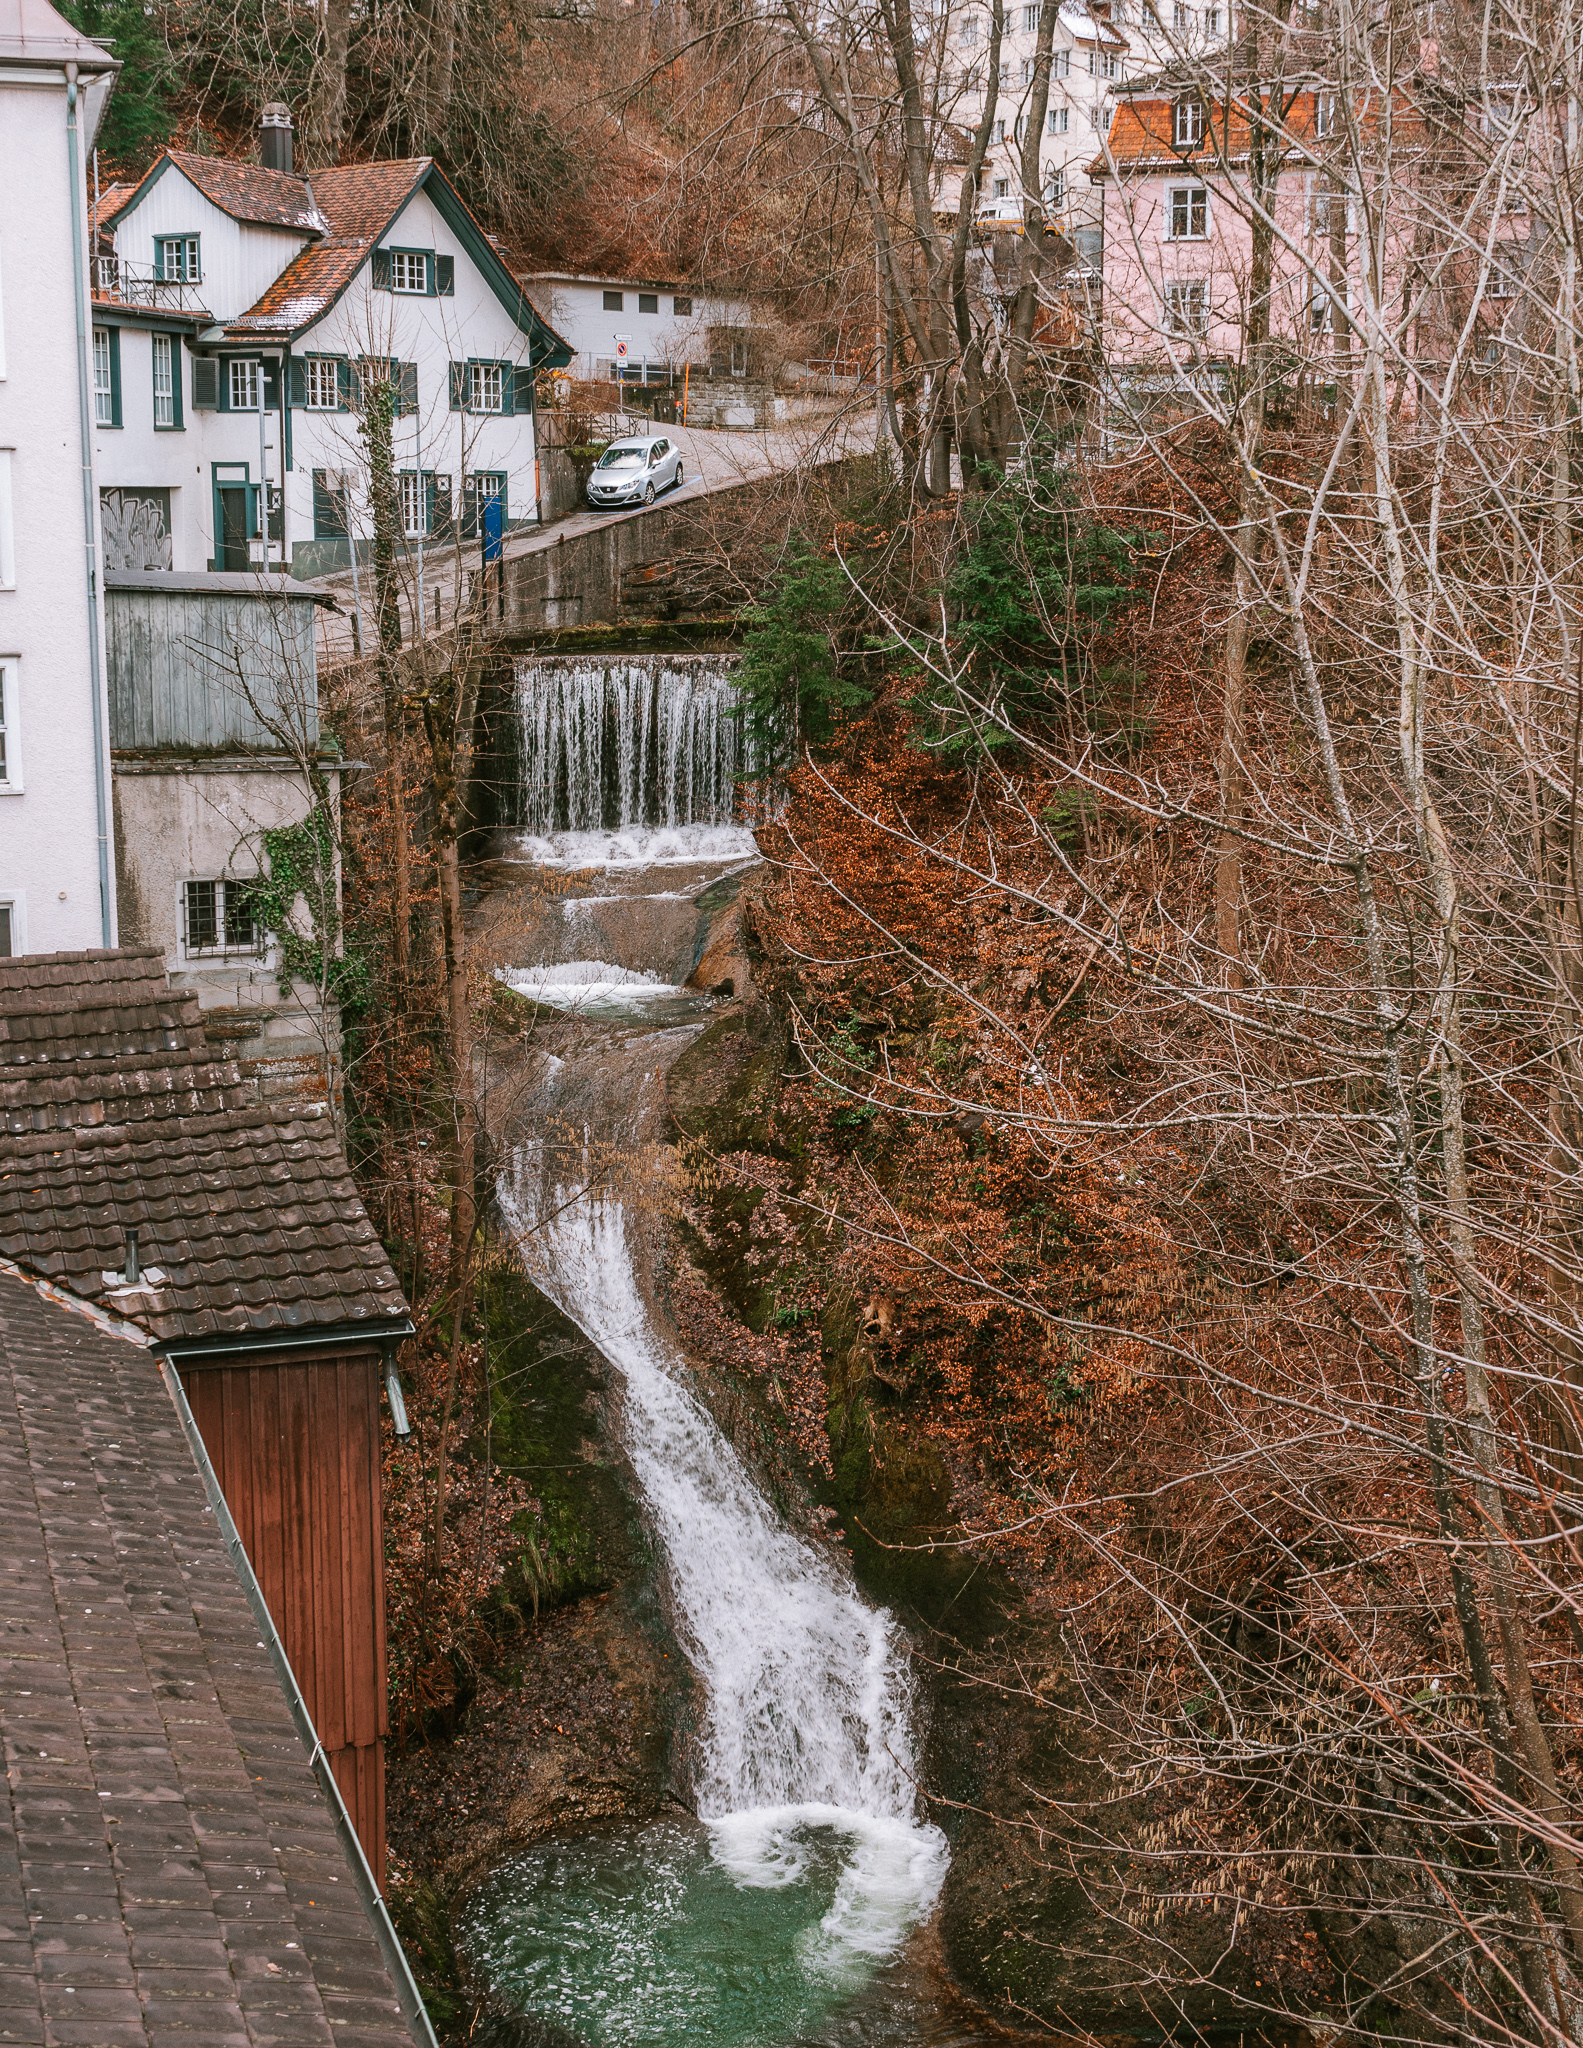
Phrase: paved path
{"type": "Point", "coordinates": [713, 459]}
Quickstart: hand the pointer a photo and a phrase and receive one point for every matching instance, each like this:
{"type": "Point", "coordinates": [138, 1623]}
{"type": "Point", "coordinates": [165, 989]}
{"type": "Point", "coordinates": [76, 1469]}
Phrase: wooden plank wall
{"type": "Point", "coordinates": [195, 669]}
{"type": "Point", "coordinates": [294, 1442]}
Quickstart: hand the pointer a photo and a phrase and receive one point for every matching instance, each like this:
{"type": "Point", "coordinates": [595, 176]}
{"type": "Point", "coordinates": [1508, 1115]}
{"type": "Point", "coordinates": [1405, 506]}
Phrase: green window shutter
{"type": "Point", "coordinates": [343, 384]}
{"type": "Point", "coordinates": [379, 270]}
{"type": "Point", "coordinates": [205, 384]}
{"type": "Point", "coordinates": [254, 530]}
{"type": "Point", "coordinates": [445, 277]}
{"type": "Point", "coordinates": [329, 515]}
{"type": "Point", "coordinates": [298, 381]}
{"type": "Point", "coordinates": [429, 281]}
{"type": "Point", "coordinates": [520, 383]}
{"type": "Point", "coordinates": [440, 523]}
{"type": "Point", "coordinates": [406, 387]}
{"type": "Point", "coordinates": [178, 371]}
{"type": "Point", "coordinates": [159, 260]}
{"type": "Point", "coordinates": [222, 378]}
{"type": "Point", "coordinates": [458, 387]}
{"type": "Point", "coordinates": [270, 377]}
{"type": "Point", "coordinates": [115, 376]}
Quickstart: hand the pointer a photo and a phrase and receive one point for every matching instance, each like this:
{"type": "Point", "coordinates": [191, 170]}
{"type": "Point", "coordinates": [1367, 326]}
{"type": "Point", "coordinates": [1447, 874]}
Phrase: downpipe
{"type": "Point", "coordinates": [90, 513]}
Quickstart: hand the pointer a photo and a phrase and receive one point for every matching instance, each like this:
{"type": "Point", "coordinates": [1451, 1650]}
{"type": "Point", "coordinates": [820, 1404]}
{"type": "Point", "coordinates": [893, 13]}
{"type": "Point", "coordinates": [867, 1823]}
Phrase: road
{"type": "Point", "coordinates": [713, 459]}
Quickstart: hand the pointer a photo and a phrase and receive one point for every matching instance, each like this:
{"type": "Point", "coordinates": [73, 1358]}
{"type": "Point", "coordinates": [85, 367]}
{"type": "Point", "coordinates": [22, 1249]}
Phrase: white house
{"type": "Point", "coordinates": [663, 324]}
{"type": "Point", "coordinates": [238, 313]}
{"type": "Point", "coordinates": [56, 855]}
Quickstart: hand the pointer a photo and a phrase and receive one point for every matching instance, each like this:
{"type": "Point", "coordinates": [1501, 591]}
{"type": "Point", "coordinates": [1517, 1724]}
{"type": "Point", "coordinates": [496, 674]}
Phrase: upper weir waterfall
{"type": "Point", "coordinates": [780, 1914]}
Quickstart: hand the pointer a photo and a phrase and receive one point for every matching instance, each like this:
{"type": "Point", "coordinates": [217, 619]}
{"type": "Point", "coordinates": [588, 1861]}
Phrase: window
{"type": "Point", "coordinates": [244, 383]}
{"type": "Point", "coordinates": [409, 272]}
{"type": "Point", "coordinates": [10, 740]}
{"type": "Point", "coordinates": [1016, 129]}
{"type": "Point", "coordinates": [1005, 71]}
{"type": "Point", "coordinates": [648, 302]}
{"type": "Point", "coordinates": [1101, 63]}
{"type": "Point", "coordinates": [1324, 114]}
{"type": "Point", "coordinates": [1061, 67]}
{"type": "Point", "coordinates": [1099, 114]}
{"type": "Point", "coordinates": [1187, 213]}
{"type": "Point", "coordinates": [217, 917]}
{"type": "Point", "coordinates": [107, 376]}
{"type": "Point", "coordinates": [321, 384]}
{"type": "Point", "coordinates": [1325, 302]}
{"type": "Point", "coordinates": [1025, 76]}
{"type": "Point", "coordinates": [1000, 131]}
{"type": "Point", "coordinates": [1211, 21]}
{"type": "Point", "coordinates": [1323, 203]}
{"type": "Point", "coordinates": [1055, 187]}
{"type": "Point", "coordinates": [613, 302]}
{"type": "Point", "coordinates": [1058, 119]}
{"type": "Point", "coordinates": [1003, 188]}
{"type": "Point", "coordinates": [682, 308]}
{"type": "Point", "coordinates": [415, 490]}
{"type": "Point", "coordinates": [1187, 306]}
{"type": "Point", "coordinates": [1030, 19]}
{"type": "Point", "coordinates": [7, 948]}
{"type": "Point", "coordinates": [167, 380]}
{"type": "Point", "coordinates": [176, 259]}
{"type": "Point", "coordinates": [967, 29]}
{"type": "Point", "coordinates": [486, 387]}
{"type": "Point", "coordinates": [1181, 17]}
{"type": "Point", "coordinates": [7, 524]}
{"type": "Point", "coordinates": [1151, 14]}
{"type": "Point", "coordinates": [1187, 123]}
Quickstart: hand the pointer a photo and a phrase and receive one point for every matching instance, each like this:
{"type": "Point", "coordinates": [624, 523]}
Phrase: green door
{"type": "Point", "coordinates": [233, 551]}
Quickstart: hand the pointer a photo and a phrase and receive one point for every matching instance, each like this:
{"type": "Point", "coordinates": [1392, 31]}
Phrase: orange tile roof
{"type": "Point", "coordinates": [1142, 126]}
{"type": "Point", "coordinates": [358, 202]}
{"type": "Point", "coordinates": [244, 191]}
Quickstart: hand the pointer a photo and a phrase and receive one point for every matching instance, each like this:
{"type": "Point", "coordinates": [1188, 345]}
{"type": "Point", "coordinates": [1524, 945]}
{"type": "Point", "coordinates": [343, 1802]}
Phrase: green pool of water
{"type": "Point", "coordinates": [750, 1935]}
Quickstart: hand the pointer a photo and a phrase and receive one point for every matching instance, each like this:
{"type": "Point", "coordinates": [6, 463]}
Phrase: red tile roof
{"type": "Point", "coordinates": [114, 1114]}
{"type": "Point", "coordinates": [247, 191]}
{"type": "Point", "coordinates": [357, 202]}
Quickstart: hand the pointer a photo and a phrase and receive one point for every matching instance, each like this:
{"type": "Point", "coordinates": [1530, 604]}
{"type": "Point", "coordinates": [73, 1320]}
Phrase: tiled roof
{"type": "Point", "coordinates": [109, 203]}
{"type": "Point", "coordinates": [169, 1869]}
{"type": "Point", "coordinates": [272, 199]}
{"type": "Point", "coordinates": [115, 1115]}
{"type": "Point", "coordinates": [1142, 127]}
{"type": "Point", "coordinates": [358, 202]}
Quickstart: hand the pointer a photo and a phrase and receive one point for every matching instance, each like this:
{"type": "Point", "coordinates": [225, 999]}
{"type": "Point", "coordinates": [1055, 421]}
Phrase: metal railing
{"type": "Point", "coordinates": [122, 283]}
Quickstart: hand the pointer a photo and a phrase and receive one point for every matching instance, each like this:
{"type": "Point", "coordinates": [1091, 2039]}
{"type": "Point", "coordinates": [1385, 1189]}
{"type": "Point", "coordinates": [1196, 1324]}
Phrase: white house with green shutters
{"type": "Point", "coordinates": [239, 314]}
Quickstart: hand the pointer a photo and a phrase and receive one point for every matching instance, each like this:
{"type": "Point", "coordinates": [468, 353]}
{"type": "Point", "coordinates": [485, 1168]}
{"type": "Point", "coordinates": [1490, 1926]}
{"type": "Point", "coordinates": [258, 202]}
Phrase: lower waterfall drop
{"type": "Point", "coordinates": [811, 1866]}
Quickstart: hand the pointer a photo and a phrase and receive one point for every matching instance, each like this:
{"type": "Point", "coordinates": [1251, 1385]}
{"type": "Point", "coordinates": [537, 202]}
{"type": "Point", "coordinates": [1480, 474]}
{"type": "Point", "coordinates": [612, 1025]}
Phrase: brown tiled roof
{"type": "Point", "coordinates": [169, 1870]}
{"type": "Point", "coordinates": [114, 1114]}
{"type": "Point", "coordinates": [1141, 129]}
{"type": "Point", "coordinates": [246, 191]}
{"type": "Point", "coordinates": [358, 202]}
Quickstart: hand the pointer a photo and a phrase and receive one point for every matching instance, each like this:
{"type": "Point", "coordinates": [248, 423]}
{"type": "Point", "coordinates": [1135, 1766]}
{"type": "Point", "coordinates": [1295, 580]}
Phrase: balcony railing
{"type": "Point", "coordinates": [134, 284]}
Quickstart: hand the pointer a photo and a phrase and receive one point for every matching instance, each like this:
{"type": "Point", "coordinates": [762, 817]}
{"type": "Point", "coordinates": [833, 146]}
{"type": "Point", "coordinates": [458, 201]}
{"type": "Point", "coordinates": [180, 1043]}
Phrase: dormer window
{"type": "Point", "coordinates": [1187, 123]}
{"type": "Point", "coordinates": [1324, 115]}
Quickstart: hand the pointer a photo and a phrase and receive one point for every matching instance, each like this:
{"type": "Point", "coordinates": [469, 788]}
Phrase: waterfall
{"type": "Point", "coordinates": [633, 741]}
{"type": "Point", "coordinates": [808, 1713]}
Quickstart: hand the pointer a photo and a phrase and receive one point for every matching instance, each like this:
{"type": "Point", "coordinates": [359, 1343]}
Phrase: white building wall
{"type": "Point", "coordinates": [575, 308]}
{"type": "Point", "coordinates": [432, 333]}
{"type": "Point", "coordinates": [239, 261]}
{"type": "Point", "coordinates": [49, 841]}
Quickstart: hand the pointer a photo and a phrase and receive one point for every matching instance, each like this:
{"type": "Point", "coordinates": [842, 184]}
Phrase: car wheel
{"type": "Point", "coordinates": [648, 494]}
{"type": "Point", "coordinates": [681, 476]}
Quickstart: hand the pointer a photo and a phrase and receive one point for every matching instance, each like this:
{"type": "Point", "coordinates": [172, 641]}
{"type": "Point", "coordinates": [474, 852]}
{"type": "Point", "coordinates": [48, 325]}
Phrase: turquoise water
{"type": "Point", "coordinates": [668, 1932]}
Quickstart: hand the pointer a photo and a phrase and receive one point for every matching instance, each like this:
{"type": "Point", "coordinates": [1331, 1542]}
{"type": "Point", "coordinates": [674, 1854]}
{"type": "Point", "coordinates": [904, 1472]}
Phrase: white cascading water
{"type": "Point", "coordinates": [651, 740]}
{"type": "Point", "coordinates": [808, 1722]}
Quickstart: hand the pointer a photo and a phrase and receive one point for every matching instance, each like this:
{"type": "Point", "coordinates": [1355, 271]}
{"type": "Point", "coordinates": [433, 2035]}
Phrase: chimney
{"type": "Point", "coordinates": [274, 138]}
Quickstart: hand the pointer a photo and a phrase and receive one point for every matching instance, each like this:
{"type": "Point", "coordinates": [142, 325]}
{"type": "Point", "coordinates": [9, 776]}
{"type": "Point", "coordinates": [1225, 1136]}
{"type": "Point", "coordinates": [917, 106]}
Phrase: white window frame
{"type": "Point", "coordinates": [1211, 21]}
{"type": "Point", "coordinates": [1187, 307]}
{"type": "Point", "coordinates": [15, 900]}
{"type": "Point", "coordinates": [103, 379]}
{"type": "Point", "coordinates": [401, 261]}
{"type": "Point", "coordinates": [1187, 191]}
{"type": "Point", "coordinates": [1059, 120]}
{"type": "Point", "coordinates": [1061, 67]}
{"type": "Point", "coordinates": [316, 370]}
{"type": "Point", "coordinates": [164, 394]}
{"type": "Point", "coordinates": [1187, 122]}
{"type": "Point", "coordinates": [1324, 115]}
{"type": "Point", "coordinates": [1182, 17]}
{"type": "Point", "coordinates": [1030, 19]}
{"type": "Point", "coordinates": [11, 783]}
{"type": "Point", "coordinates": [1001, 189]}
{"type": "Point", "coordinates": [262, 947]}
{"type": "Point", "coordinates": [412, 485]}
{"type": "Point", "coordinates": [1055, 186]}
{"type": "Point", "coordinates": [967, 29]}
{"type": "Point", "coordinates": [188, 259]}
{"type": "Point", "coordinates": [480, 390]}
{"type": "Point", "coordinates": [244, 373]}
{"type": "Point", "coordinates": [7, 524]}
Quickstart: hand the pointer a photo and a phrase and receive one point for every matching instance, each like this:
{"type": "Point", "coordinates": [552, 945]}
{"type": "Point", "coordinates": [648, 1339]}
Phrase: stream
{"type": "Point", "coordinates": [792, 1909]}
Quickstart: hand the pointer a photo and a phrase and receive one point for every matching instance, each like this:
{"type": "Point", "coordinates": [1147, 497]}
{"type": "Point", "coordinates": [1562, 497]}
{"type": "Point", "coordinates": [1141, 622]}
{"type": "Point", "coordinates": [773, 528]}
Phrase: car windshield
{"type": "Point", "coordinates": [622, 458]}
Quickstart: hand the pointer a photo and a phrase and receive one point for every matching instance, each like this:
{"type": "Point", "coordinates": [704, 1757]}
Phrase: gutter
{"type": "Point", "coordinates": [90, 518]}
{"type": "Point", "coordinates": [376, 1331]}
{"type": "Point", "coordinates": [408, 1997]}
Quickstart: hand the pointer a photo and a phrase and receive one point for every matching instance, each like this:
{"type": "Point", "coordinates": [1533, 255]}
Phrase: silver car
{"type": "Point", "coordinates": [635, 472]}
